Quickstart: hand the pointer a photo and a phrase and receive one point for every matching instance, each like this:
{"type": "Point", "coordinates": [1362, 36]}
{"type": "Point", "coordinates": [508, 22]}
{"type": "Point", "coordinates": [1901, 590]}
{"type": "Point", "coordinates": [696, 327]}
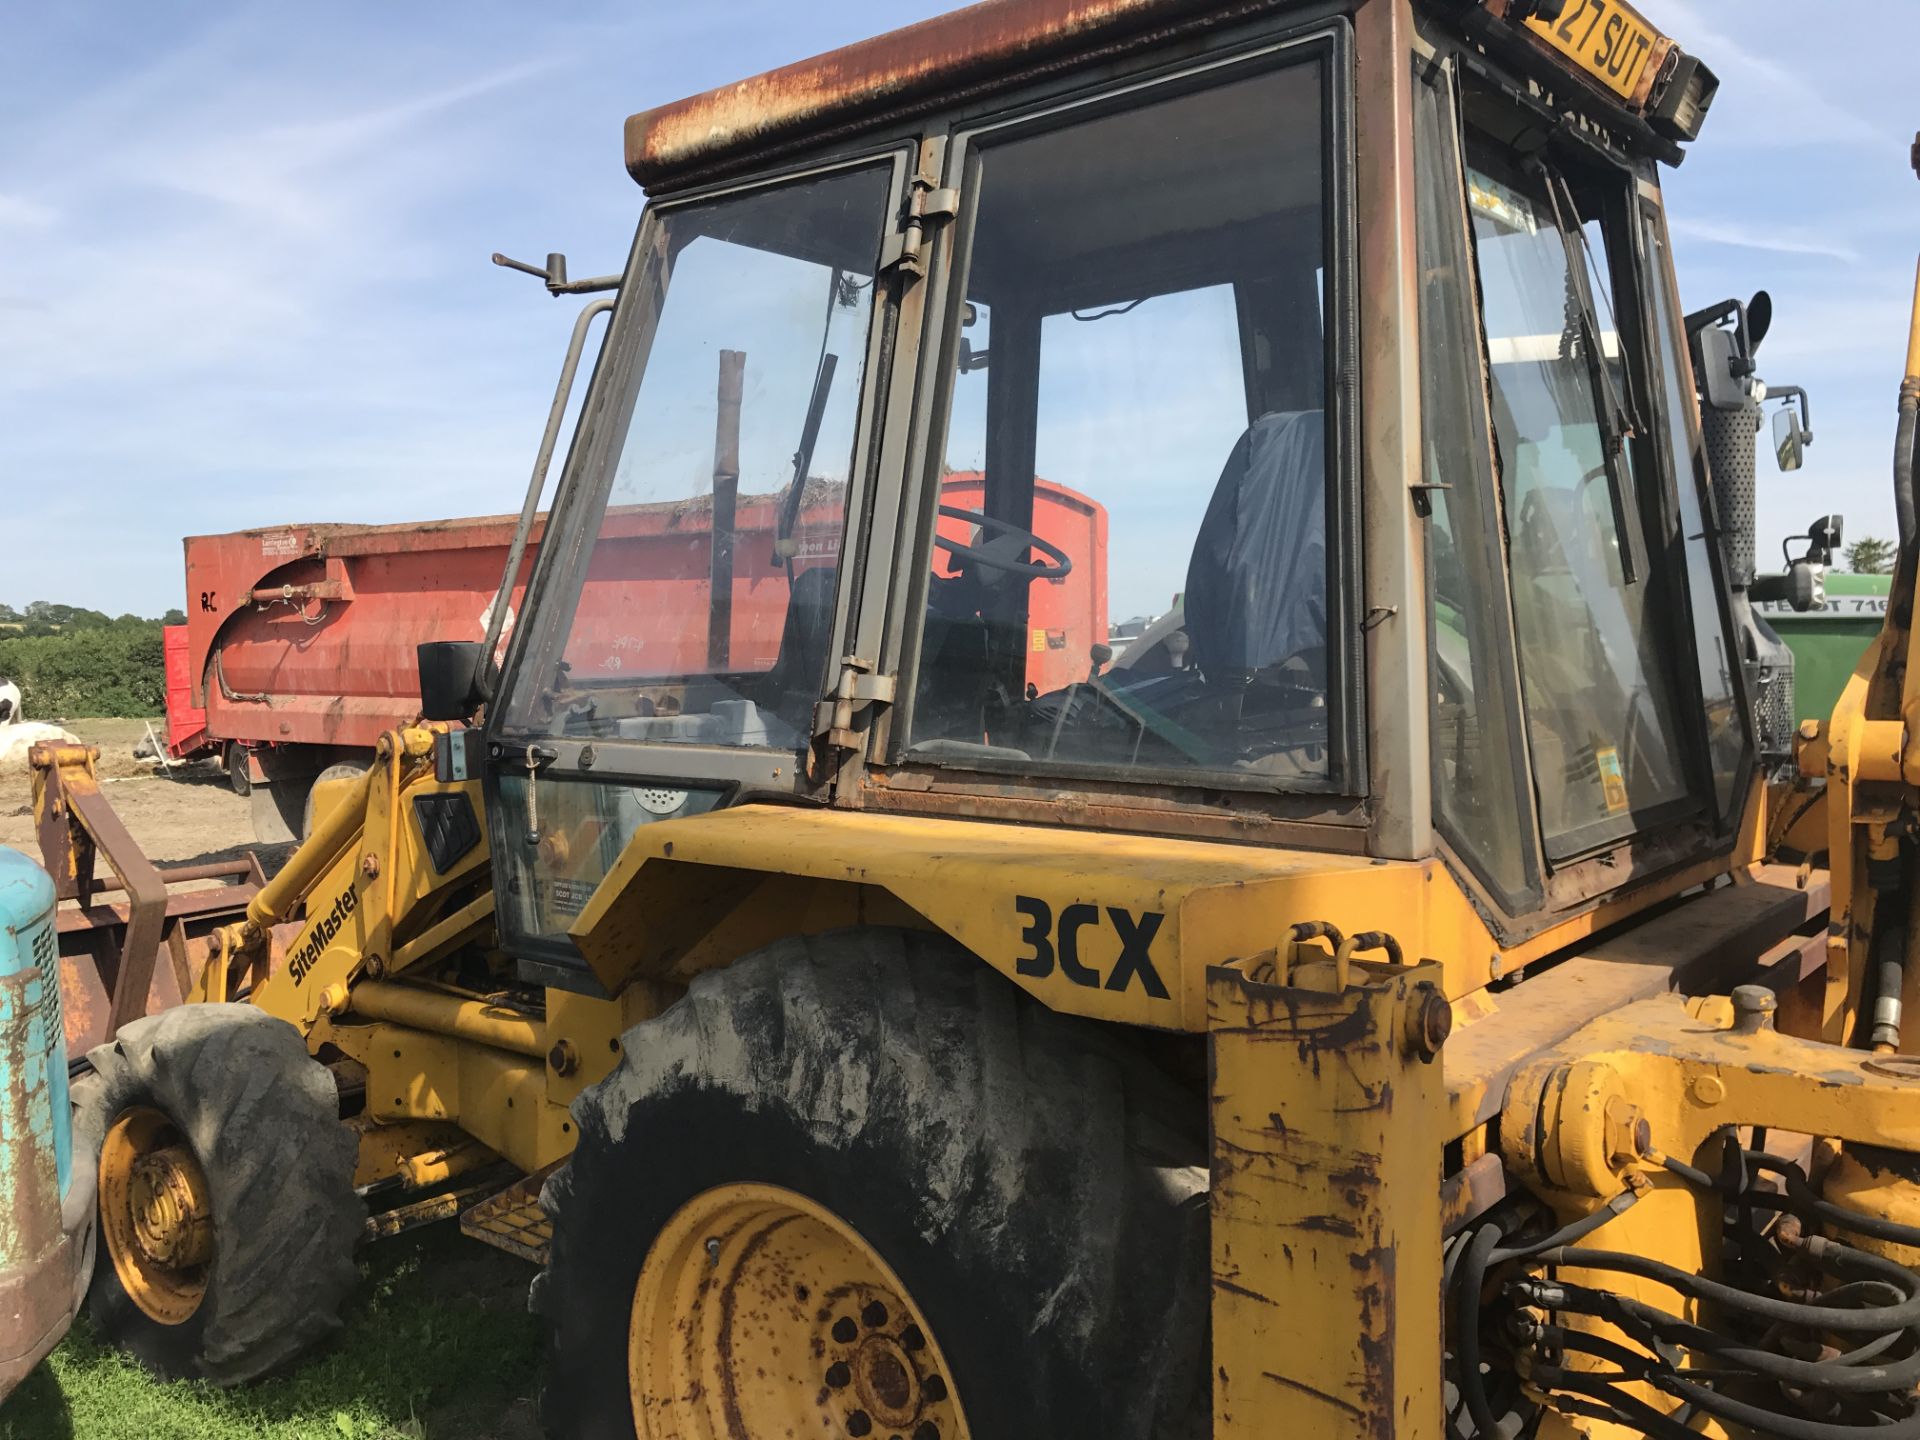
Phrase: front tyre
{"type": "Point", "coordinates": [227, 1219]}
{"type": "Point", "coordinates": [859, 1185]}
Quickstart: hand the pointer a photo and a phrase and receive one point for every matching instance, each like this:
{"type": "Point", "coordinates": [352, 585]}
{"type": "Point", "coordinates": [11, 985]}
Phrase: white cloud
{"type": "Point", "coordinates": [1760, 235]}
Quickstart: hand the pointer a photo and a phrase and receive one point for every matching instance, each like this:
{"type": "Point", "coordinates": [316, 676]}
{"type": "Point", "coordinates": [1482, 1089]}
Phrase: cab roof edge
{"type": "Point", "coordinates": [991, 41]}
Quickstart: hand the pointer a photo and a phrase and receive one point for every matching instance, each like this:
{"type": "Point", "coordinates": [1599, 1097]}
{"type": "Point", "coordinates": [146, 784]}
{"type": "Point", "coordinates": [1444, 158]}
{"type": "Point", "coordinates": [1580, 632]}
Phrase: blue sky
{"type": "Point", "coordinates": [243, 249]}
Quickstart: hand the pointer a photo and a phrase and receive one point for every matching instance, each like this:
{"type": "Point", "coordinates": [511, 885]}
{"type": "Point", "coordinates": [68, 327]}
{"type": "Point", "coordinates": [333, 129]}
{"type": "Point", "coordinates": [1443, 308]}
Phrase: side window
{"type": "Point", "coordinates": [1482, 801]}
{"type": "Point", "coordinates": [1713, 649]}
{"type": "Point", "coordinates": [1138, 439]}
{"type": "Point", "coordinates": [1603, 723]}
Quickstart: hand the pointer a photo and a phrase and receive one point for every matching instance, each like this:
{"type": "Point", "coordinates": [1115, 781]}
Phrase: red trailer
{"type": "Point", "coordinates": [299, 647]}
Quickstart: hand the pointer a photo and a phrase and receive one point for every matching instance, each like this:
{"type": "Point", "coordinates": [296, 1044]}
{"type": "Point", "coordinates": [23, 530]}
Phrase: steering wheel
{"type": "Point", "coordinates": [993, 557]}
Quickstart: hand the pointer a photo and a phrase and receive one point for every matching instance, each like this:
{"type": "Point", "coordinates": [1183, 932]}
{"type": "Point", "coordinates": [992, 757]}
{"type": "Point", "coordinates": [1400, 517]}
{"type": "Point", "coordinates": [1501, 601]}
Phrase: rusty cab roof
{"type": "Point", "coordinates": [996, 43]}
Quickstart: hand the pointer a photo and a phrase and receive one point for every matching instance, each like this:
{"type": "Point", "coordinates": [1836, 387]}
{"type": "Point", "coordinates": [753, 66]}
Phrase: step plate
{"type": "Point", "coordinates": [513, 1220]}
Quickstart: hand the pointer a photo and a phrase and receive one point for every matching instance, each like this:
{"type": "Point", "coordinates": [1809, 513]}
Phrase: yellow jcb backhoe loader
{"type": "Point", "coordinates": [1397, 994]}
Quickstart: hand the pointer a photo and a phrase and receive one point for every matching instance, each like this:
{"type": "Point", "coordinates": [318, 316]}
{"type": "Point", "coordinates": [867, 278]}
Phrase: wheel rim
{"type": "Point", "coordinates": [758, 1312]}
{"type": "Point", "coordinates": [156, 1215]}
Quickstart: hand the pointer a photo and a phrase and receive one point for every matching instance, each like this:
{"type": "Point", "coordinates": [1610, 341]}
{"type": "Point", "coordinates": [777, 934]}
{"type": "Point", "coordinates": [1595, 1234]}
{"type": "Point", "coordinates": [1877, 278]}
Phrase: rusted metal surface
{"type": "Point", "coordinates": [39, 1234]}
{"type": "Point", "coordinates": [949, 56]}
{"type": "Point", "coordinates": [1326, 1207]}
{"type": "Point", "coordinates": [1330, 826]}
{"type": "Point", "coordinates": [513, 1220]}
{"type": "Point", "coordinates": [110, 953]}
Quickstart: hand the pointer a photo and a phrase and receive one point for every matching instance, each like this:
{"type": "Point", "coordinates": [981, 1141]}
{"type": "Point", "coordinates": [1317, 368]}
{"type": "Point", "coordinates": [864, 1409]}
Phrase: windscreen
{"type": "Point", "coordinates": [1132, 572]}
{"type": "Point", "coordinates": [702, 609]}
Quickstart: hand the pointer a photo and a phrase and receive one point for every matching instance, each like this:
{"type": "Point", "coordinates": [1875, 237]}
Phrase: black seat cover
{"type": "Point", "coordinates": [1257, 583]}
{"type": "Point", "coordinates": [798, 673]}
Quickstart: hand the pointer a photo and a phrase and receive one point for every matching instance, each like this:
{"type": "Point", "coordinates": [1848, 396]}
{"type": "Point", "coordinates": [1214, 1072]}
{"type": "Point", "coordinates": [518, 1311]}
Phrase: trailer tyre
{"type": "Point", "coordinates": [239, 777]}
{"type": "Point", "coordinates": [226, 1216]}
{"type": "Point", "coordinates": [889, 1195]}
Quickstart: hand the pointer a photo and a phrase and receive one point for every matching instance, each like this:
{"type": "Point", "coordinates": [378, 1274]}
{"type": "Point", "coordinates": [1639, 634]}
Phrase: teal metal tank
{"type": "Point", "coordinates": [42, 1222]}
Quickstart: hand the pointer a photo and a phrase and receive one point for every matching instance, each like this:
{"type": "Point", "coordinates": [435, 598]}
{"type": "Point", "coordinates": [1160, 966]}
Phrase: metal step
{"type": "Point", "coordinates": [513, 1220]}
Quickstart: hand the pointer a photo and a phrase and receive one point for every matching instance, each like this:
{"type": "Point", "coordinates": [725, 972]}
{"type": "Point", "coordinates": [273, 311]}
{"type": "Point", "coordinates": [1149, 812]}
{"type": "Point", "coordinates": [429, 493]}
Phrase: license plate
{"type": "Point", "coordinates": [1608, 39]}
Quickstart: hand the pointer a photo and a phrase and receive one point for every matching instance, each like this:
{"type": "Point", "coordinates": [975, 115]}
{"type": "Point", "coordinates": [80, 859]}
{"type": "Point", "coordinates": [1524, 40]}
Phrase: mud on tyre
{"type": "Point", "coordinates": [1036, 1190]}
{"type": "Point", "coordinates": [227, 1219]}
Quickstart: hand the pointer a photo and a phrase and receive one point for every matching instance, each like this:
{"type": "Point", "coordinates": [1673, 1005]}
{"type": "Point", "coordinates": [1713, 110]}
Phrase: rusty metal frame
{"type": "Point", "coordinates": [76, 827]}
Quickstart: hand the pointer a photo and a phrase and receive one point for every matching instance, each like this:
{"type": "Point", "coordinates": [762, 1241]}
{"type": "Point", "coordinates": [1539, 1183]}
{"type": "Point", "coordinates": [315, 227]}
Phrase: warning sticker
{"type": "Point", "coordinates": [1613, 779]}
{"type": "Point", "coordinates": [1039, 640]}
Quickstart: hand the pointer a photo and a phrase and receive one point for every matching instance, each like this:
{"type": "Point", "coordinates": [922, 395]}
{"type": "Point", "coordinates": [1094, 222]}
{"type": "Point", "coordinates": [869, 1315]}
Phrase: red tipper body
{"type": "Point", "coordinates": [306, 634]}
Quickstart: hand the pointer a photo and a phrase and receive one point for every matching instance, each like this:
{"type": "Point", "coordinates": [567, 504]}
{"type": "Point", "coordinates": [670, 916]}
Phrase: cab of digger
{"type": "Point", "coordinates": [815, 481]}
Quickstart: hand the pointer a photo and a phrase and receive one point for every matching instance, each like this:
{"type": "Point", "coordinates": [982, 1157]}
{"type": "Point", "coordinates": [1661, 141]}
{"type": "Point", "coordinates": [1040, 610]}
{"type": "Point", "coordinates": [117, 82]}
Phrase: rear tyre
{"type": "Point", "coordinates": [867, 1155]}
{"type": "Point", "coordinates": [227, 1219]}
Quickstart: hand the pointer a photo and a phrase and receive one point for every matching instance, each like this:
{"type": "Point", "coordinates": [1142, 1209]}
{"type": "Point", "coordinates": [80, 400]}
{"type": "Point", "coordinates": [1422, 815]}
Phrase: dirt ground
{"type": "Point", "coordinates": [187, 814]}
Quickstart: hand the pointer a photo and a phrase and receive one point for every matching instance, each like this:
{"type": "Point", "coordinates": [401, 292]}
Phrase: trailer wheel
{"type": "Point", "coordinates": [226, 1215]}
{"type": "Point", "coordinates": [859, 1185]}
{"type": "Point", "coordinates": [235, 762]}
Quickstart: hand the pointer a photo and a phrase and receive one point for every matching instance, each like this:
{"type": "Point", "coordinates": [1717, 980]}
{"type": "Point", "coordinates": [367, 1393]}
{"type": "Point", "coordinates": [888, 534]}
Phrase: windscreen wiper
{"type": "Point", "coordinates": [1617, 424]}
{"type": "Point", "coordinates": [783, 545]}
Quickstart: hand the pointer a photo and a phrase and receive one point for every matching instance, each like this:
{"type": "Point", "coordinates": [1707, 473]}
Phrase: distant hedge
{"type": "Point", "coordinates": [114, 671]}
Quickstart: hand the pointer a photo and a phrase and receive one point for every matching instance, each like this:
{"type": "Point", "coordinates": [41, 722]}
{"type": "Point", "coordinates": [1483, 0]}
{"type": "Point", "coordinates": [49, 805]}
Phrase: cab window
{"type": "Point", "coordinates": [1138, 444]}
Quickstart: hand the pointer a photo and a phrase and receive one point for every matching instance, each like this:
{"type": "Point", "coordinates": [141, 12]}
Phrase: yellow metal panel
{"type": "Point", "coordinates": [1117, 927]}
{"type": "Point", "coordinates": [1326, 1209]}
{"type": "Point", "coordinates": [498, 1098]}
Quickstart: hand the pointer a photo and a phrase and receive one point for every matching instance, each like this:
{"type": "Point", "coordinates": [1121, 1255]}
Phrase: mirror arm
{"type": "Point", "coordinates": [1791, 393]}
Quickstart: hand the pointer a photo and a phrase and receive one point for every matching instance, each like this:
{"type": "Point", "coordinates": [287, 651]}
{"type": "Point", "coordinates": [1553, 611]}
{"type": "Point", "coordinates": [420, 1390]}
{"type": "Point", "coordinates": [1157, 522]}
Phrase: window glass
{"type": "Point", "coordinates": [703, 610]}
{"type": "Point", "coordinates": [1138, 440]}
{"type": "Point", "coordinates": [1479, 799]}
{"type": "Point", "coordinates": [1600, 707]}
{"type": "Point", "coordinates": [1726, 721]}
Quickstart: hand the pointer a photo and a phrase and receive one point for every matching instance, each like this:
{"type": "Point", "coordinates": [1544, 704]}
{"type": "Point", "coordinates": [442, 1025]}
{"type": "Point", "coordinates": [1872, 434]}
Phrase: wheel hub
{"type": "Point", "coordinates": [172, 1214]}
{"type": "Point", "coordinates": [156, 1215]}
{"type": "Point", "coordinates": [759, 1312]}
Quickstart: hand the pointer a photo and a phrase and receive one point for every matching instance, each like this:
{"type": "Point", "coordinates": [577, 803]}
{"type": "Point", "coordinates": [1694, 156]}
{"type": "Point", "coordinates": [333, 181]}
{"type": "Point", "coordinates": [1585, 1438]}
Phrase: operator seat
{"type": "Point", "coordinates": [794, 683]}
{"type": "Point", "coordinates": [1256, 593]}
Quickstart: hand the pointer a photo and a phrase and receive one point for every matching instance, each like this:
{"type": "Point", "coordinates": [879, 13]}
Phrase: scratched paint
{"type": "Point", "coordinates": [35, 1137]}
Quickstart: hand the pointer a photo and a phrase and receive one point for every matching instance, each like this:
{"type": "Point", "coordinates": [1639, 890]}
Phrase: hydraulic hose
{"type": "Point", "coordinates": [1903, 454]}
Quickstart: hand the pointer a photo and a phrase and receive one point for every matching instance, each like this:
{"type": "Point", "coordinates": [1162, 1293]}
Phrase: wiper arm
{"type": "Point", "coordinates": [1617, 424]}
{"type": "Point", "coordinates": [783, 546]}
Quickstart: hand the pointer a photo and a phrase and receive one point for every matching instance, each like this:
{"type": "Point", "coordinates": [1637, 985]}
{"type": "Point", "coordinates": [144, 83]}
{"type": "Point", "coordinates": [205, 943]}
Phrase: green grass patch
{"type": "Point", "coordinates": [438, 1344]}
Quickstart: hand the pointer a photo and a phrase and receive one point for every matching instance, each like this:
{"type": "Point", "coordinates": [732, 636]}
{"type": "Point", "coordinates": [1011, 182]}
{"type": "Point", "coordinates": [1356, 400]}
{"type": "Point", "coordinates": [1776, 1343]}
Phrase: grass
{"type": "Point", "coordinates": [438, 1344]}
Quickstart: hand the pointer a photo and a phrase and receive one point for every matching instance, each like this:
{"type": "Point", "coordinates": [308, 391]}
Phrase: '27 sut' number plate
{"type": "Point", "coordinates": [1608, 39]}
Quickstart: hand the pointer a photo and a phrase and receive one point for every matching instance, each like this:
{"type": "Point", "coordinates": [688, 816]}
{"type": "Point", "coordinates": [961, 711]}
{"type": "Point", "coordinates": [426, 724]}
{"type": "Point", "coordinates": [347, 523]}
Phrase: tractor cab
{"type": "Point", "coordinates": [1336, 346]}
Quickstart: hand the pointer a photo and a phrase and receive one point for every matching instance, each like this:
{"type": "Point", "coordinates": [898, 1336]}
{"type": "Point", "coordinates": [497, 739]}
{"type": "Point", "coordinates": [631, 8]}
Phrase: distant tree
{"type": "Point", "coordinates": [174, 617]}
{"type": "Point", "coordinates": [1870, 556]}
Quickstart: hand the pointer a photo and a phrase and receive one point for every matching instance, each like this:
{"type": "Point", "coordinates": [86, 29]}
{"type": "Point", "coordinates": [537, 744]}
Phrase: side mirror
{"type": "Point", "coordinates": [1792, 425]}
{"type": "Point", "coordinates": [1825, 538]}
{"type": "Point", "coordinates": [450, 678]}
{"type": "Point", "coordinates": [1786, 441]}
